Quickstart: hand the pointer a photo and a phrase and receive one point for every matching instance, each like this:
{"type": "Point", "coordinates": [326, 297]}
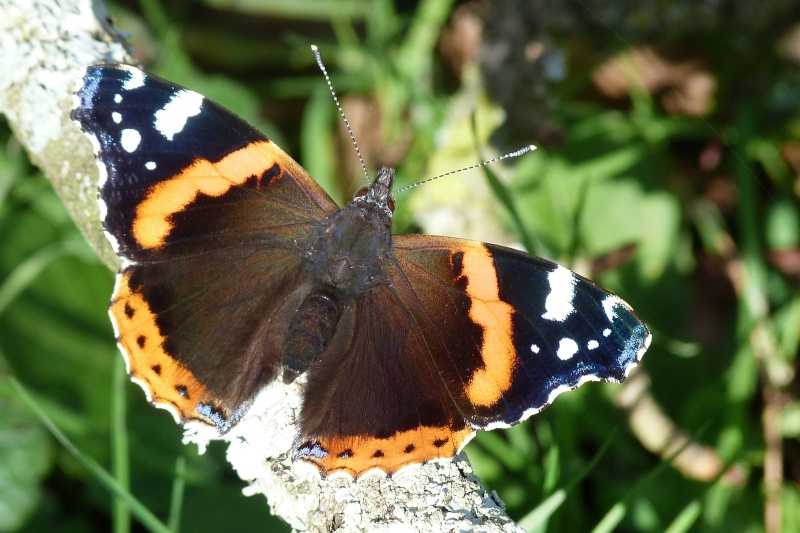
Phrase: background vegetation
{"type": "Point", "coordinates": [668, 170]}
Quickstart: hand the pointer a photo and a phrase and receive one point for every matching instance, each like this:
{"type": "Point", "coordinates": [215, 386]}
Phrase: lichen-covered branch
{"type": "Point", "coordinates": [43, 46]}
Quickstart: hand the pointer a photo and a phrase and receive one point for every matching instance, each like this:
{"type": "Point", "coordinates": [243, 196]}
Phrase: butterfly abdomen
{"type": "Point", "coordinates": [309, 333]}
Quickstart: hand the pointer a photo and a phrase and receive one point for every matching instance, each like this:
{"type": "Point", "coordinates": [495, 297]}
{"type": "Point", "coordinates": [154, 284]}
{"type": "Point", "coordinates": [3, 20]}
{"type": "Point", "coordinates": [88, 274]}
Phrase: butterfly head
{"type": "Point", "coordinates": [379, 194]}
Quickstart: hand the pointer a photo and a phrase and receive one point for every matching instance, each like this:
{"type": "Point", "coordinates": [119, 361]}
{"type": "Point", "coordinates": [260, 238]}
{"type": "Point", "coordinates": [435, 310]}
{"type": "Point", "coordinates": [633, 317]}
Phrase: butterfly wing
{"type": "Point", "coordinates": [536, 328]}
{"type": "Point", "coordinates": [465, 335]}
{"type": "Point", "coordinates": [205, 212]}
{"type": "Point", "coordinates": [379, 401]}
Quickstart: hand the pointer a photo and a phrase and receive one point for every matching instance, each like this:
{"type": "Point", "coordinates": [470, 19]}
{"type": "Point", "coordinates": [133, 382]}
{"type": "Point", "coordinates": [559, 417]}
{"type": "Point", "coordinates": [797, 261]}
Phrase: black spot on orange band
{"type": "Point", "coordinates": [167, 382]}
{"type": "Point", "coordinates": [358, 454]}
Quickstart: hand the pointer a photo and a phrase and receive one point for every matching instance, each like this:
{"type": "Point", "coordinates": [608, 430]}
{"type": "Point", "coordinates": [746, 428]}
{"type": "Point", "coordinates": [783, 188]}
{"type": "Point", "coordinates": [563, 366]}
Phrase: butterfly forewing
{"type": "Point", "coordinates": [511, 330]}
{"type": "Point", "coordinates": [206, 212]}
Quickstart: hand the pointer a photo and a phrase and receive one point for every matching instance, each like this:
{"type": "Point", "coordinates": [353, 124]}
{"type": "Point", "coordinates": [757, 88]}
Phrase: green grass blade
{"type": "Point", "coordinates": [145, 517]}
{"type": "Point", "coordinates": [120, 458]}
{"type": "Point", "coordinates": [686, 519]}
{"type": "Point", "coordinates": [28, 271]}
{"type": "Point", "coordinates": [422, 35]}
{"type": "Point", "coordinates": [178, 489]}
{"type": "Point", "coordinates": [617, 512]}
{"type": "Point", "coordinates": [304, 10]}
{"type": "Point", "coordinates": [539, 516]}
{"type": "Point", "coordinates": [504, 195]}
{"type": "Point", "coordinates": [614, 516]}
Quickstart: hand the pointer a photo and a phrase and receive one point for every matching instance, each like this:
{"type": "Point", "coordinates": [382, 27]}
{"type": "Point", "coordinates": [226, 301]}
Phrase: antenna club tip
{"type": "Point", "coordinates": [522, 151]}
{"type": "Point", "coordinates": [314, 48]}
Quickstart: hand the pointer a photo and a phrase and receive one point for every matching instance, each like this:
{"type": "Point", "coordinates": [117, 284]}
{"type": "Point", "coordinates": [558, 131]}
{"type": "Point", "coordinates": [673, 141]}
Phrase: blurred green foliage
{"type": "Point", "coordinates": [692, 218]}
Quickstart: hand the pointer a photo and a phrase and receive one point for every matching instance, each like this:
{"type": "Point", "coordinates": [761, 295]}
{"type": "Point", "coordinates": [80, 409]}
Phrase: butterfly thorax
{"type": "Point", "coordinates": [344, 260]}
{"type": "Point", "coordinates": [348, 247]}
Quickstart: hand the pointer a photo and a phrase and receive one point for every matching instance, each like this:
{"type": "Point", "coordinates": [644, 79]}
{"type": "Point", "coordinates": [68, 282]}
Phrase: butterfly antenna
{"type": "Point", "coordinates": [521, 151]}
{"type": "Point", "coordinates": [318, 57]}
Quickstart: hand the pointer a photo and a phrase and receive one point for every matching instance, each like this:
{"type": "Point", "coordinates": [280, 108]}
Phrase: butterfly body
{"type": "Point", "coordinates": [343, 260]}
{"type": "Point", "coordinates": [239, 270]}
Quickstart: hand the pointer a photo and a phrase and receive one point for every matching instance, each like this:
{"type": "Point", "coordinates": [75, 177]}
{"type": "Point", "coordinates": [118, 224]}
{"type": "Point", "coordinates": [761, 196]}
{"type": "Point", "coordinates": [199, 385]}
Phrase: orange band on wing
{"type": "Point", "coordinates": [487, 385]}
{"type": "Point", "coordinates": [358, 454]}
{"type": "Point", "coordinates": [168, 383]}
{"type": "Point", "coordinates": [152, 223]}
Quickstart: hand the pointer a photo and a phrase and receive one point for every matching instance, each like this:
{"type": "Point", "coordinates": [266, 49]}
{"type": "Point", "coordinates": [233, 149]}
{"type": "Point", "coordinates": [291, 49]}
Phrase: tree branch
{"type": "Point", "coordinates": [43, 47]}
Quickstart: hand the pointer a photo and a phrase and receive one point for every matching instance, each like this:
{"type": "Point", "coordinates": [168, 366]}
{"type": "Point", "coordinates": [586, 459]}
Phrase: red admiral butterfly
{"type": "Point", "coordinates": [240, 270]}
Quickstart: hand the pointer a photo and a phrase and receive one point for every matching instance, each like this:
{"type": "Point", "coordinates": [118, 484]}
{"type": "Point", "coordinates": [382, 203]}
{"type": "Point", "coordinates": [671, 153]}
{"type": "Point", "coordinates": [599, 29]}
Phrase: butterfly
{"type": "Point", "coordinates": [239, 270]}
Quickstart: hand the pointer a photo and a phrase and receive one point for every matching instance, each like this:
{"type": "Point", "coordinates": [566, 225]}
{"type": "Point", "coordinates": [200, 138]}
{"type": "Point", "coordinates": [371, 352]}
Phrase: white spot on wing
{"type": "Point", "coordinates": [171, 119]}
{"type": "Point", "coordinates": [566, 349]}
{"type": "Point", "coordinates": [150, 165]}
{"type": "Point", "coordinates": [116, 117]}
{"type": "Point", "coordinates": [565, 388]}
{"type": "Point", "coordinates": [130, 140]}
{"type": "Point", "coordinates": [609, 303]}
{"type": "Point", "coordinates": [534, 348]}
{"type": "Point", "coordinates": [641, 351]}
{"type": "Point", "coordinates": [113, 240]}
{"type": "Point", "coordinates": [592, 344]}
{"type": "Point", "coordinates": [117, 98]}
{"type": "Point", "coordinates": [558, 305]}
{"type": "Point", "coordinates": [135, 78]}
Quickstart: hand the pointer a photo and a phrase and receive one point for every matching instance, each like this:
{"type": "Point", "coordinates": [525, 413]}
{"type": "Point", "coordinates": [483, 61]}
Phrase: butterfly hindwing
{"type": "Point", "coordinates": [379, 403]}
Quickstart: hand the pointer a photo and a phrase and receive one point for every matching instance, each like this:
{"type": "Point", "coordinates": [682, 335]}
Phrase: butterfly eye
{"type": "Point", "coordinates": [390, 203]}
{"type": "Point", "coordinates": [362, 192]}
